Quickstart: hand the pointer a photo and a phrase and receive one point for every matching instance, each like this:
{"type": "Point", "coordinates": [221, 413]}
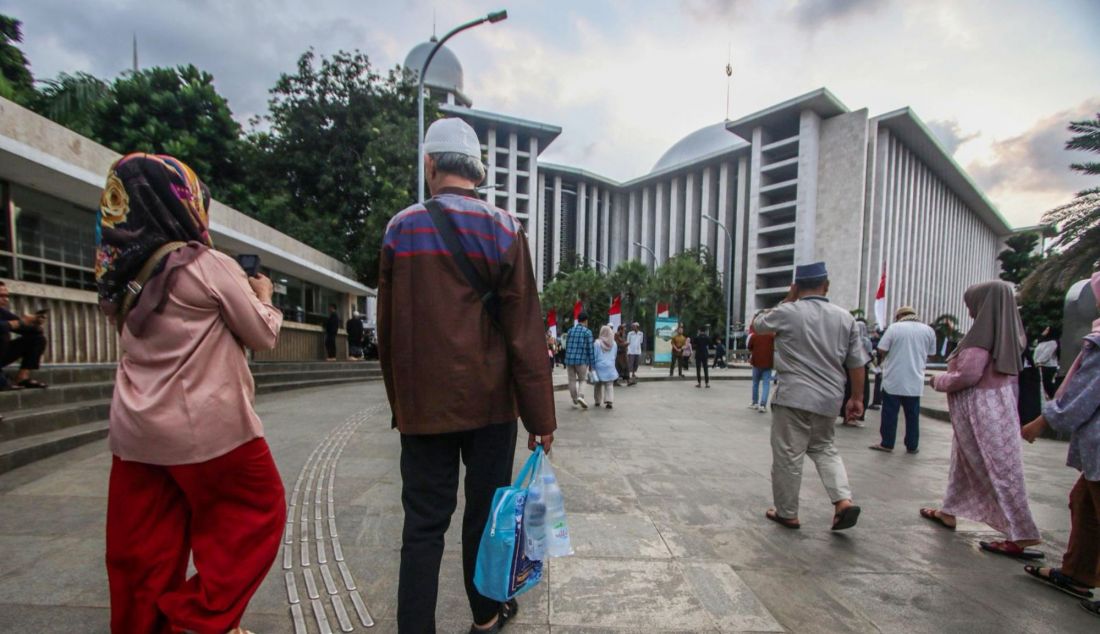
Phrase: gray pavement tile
{"type": "Point", "coordinates": [728, 600]}
{"type": "Point", "coordinates": [52, 515]}
{"type": "Point", "coordinates": [806, 602]}
{"type": "Point", "coordinates": [625, 536]}
{"type": "Point", "coordinates": [38, 618]}
{"type": "Point", "coordinates": [66, 571]}
{"type": "Point", "coordinates": [89, 482]}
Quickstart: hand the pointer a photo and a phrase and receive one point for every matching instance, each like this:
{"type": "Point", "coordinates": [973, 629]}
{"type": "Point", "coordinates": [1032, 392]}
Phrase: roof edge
{"type": "Point", "coordinates": [822, 101]}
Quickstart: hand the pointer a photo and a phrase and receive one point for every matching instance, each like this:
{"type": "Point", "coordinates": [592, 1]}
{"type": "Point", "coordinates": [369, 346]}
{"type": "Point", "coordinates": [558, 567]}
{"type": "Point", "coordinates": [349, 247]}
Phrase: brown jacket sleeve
{"type": "Point", "coordinates": [382, 321]}
{"type": "Point", "coordinates": [521, 321]}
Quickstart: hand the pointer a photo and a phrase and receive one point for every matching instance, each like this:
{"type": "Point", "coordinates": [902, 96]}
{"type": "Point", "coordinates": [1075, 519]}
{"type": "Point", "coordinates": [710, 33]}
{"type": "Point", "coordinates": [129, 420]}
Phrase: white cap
{"type": "Point", "coordinates": [452, 135]}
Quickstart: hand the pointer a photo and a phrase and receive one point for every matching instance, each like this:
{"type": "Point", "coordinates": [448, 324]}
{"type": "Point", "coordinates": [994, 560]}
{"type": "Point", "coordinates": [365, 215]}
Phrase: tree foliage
{"type": "Point", "coordinates": [338, 159]}
{"type": "Point", "coordinates": [1019, 259]}
{"type": "Point", "coordinates": [631, 279]}
{"type": "Point", "coordinates": [74, 101]}
{"type": "Point", "coordinates": [690, 284]}
{"type": "Point", "coordinates": [16, 80]}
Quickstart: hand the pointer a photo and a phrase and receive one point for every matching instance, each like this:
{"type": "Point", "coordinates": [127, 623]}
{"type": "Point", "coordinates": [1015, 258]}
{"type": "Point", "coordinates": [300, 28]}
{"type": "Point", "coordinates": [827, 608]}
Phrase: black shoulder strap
{"type": "Point", "coordinates": [446, 229]}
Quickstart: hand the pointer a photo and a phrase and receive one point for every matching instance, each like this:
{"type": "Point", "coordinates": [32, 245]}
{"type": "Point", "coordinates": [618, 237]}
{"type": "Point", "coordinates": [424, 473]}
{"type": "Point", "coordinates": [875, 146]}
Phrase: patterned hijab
{"type": "Point", "coordinates": [149, 200]}
{"type": "Point", "coordinates": [997, 325]}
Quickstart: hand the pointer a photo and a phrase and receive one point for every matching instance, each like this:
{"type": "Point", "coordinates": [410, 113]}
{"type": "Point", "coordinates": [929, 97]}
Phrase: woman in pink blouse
{"type": "Point", "coordinates": [986, 482]}
{"type": "Point", "coordinates": [192, 476]}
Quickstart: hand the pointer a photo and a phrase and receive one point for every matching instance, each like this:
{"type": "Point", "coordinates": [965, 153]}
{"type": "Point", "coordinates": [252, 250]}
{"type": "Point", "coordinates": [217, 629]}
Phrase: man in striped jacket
{"type": "Point", "coordinates": [456, 376]}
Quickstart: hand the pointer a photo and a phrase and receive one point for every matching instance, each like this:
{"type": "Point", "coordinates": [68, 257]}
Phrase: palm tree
{"type": "Point", "coordinates": [1076, 248]}
{"type": "Point", "coordinates": [71, 100]}
{"type": "Point", "coordinates": [631, 280]}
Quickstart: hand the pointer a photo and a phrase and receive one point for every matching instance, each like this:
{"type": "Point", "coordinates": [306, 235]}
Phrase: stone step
{"type": "Point", "coordinates": [21, 451]}
{"type": "Point", "coordinates": [29, 422]}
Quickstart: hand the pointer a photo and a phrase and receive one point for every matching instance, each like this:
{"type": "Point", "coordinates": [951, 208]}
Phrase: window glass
{"type": "Point", "coordinates": [54, 239]}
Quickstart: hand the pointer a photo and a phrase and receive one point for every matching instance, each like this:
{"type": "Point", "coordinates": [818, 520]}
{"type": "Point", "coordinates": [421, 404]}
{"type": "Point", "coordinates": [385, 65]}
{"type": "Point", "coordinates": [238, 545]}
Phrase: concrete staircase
{"type": "Point", "coordinates": [74, 409]}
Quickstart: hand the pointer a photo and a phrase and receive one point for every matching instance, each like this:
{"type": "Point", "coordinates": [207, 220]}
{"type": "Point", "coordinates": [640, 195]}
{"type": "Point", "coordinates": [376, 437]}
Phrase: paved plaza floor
{"type": "Point", "coordinates": [666, 495]}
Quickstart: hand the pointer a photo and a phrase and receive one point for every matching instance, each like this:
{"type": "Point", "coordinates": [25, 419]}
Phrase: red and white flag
{"type": "Point", "coordinates": [578, 308]}
{"type": "Point", "coordinates": [880, 302]}
{"type": "Point", "coordinates": [662, 309]}
{"type": "Point", "coordinates": [615, 314]}
{"type": "Point", "coordinates": [552, 323]}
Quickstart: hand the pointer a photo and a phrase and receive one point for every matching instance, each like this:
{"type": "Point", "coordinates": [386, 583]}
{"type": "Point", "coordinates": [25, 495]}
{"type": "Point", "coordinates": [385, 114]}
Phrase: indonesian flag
{"type": "Point", "coordinates": [552, 323]}
{"type": "Point", "coordinates": [615, 314]}
{"type": "Point", "coordinates": [662, 309]}
{"type": "Point", "coordinates": [880, 302]}
{"type": "Point", "coordinates": [578, 308]}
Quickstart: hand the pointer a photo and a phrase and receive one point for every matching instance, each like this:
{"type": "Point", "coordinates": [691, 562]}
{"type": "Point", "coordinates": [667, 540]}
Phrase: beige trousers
{"type": "Point", "coordinates": [604, 392]}
{"type": "Point", "coordinates": [577, 374]}
{"type": "Point", "coordinates": [796, 433]}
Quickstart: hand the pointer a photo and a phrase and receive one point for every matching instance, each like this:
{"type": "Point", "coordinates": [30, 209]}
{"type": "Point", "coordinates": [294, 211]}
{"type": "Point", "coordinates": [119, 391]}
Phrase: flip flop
{"type": "Point", "coordinates": [1092, 607]}
{"type": "Point", "coordinates": [773, 515]}
{"type": "Point", "coordinates": [1010, 549]}
{"type": "Point", "coordinates": [31, 383]}
{"type": "Point", "coordinates": [881, 448]}
{"type": "Point", "coordinates": [934, 515]}
{"type": "Point", "coordinates": [1055, 579]}
{"type": "Point", "coordinates": [846, 518]}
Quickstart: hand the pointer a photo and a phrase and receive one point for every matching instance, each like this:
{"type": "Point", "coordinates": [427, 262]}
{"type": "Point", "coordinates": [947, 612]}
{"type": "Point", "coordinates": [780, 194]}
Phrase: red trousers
{"type": "Point", "coordinates": [1082, 558]}
{"type": "Point", "coordinates": [228, 513]}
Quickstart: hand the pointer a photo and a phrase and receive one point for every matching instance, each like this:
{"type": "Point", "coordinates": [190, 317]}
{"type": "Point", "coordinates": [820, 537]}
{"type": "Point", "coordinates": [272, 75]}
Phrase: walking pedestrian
{"type": "Point", "coordinates": [700, 344]}
{"type": "Point", "coordinates": [28, 348]}
{"type": "Point", "coordinates": [719, 353]}
{"type": "Point", "coordinates": [1076, 410]}
{"type": "Point", "coordinates": [579, 357]}
{"type": "Point", "coordinates": [482, 312]}
{"type": "Point", "coordinates": [354, 328]}
{"type": "Point", "coordinates": [635, 340]}
{"type": "Point", "coordinates": [1046, 359]}
{"type": "Point", "coordinates": [191, 475]}
{"type": "Point", "coordinates": [332, 328]}
{"type": "Point", "coordinates": [621, 363]}
{"type": "Point", "coordinates": [905, 349]}
{"type": "Point", "coordinates": [678, 340]}
{"type": "Point", "coordinates": [762, 360]}
{"type": "Point", "coordinates": [603, 366]}
{"type": "Point", "coordinates": [818, 346]}
{"type": "Point", "coordinates": [986, 481]}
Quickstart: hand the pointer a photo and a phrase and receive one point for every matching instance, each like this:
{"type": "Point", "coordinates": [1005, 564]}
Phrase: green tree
{"type": "Point", "coordinates": [631, 279]}
{"type": "Point", "coordinates": [173, 111]}
{"type": "Point", "coordinates": [338, 159]}
{"type": "Point", "coordinates": [585, 284]}
{"type": "Point", "coordinates": [690, 283]}
{"type": "Point", "coordinates": [1019, 259]}
{"type": "Point", "coordinates": [1076, 247]}
{"type": "Point", "coordinates": [74, 101]}
{"type": "Point", "coordinates": [16, 80]}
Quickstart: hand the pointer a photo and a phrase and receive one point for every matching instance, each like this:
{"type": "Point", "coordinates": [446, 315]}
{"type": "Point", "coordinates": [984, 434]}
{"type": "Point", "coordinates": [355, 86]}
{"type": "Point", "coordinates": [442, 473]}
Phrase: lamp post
{"type": "Point", "coordinates": [650, 251]}
{"type": "Point", "coordinates": [599, 264]}
{"type": "Point", "coordinates": [494, 17]}
{"type": "Point", "coordinates": [729, 284]}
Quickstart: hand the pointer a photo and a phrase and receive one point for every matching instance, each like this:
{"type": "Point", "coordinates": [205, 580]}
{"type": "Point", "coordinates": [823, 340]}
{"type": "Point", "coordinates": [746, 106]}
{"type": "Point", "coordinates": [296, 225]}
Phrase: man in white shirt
{"type": "Point", "coordinates": [634, 340]}
{"type": "Point", "coordinates": [905, 346]}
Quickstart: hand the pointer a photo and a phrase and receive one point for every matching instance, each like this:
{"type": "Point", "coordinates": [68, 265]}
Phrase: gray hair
{"type": "Point", "coordinates": [458, 164]}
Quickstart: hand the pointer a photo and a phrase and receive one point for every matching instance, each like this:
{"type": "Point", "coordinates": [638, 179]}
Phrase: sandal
{"type": "Point", "coordinates": [773, 515]}
{"type": "Point", "coordinates": [1092, 607]}
{"type": "Point", "coordinates": [1010, 549]}
{"type": "Point", "coordinates": [507, 611]}
{"type": "Point", "coordinates": [934, 515]}
{"type": "Point", "coordinates": [881, 448]}
{"type": "Point", "coordinates": [32, 383]}
{"type": "Point", "coordinates": [846, 519]}
{"type": "Point", "coordinates": [1055, 579]}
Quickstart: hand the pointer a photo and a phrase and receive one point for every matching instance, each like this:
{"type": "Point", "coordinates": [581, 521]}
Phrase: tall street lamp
{"type": "Point", "coordinates": [599, 264]}
{"type": "Point", "coordinates": [729, 284]}
{"type": "Point", "coordinates": [650, 251]}
{"type": "Point", "coordinates": [494, 17]}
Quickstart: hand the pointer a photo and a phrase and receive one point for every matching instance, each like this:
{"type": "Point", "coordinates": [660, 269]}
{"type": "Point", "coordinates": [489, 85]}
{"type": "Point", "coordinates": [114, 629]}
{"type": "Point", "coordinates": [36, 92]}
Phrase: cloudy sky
{"type": "Point", "coordinates": [625, 79]}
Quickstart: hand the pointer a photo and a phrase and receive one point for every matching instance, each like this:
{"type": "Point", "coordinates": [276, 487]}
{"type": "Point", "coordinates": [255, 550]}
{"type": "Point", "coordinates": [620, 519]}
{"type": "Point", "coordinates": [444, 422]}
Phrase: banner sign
{"type": "Point", "coordinates": [662, 339]}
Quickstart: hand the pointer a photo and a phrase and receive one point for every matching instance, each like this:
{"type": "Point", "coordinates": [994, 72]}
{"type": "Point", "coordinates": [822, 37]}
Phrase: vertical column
{"type": "Point", "coordinates": [594, 224]}
{"type": "Point", "coordinates": [722, 253]}
{"type": "Point", "coordinates": [647, 230]}
{"type": "Point", "coordinates": [737, 277]}
{"type": "Point", "coordinates": [491, 177]}
{"type": "Point", "coordinates": [675, 219]}
{"type": "Point", "coordinates": [660, 233]}
{"type": "Point", "coordinates": [557, 224]}
{"type": "Point", "coordinates": [513, 148]}
{"type": "Point", "coordinates": [809, 134]}
{"type": "Point", "coordinates": [753, 223]}
{"type": "Point", "coordinates": [632, 231]}
{"type": "Point", "coordinates": [581, 219]}
{"type": "Point", "coordinates": [691, 218]}
{"type": "Point", "coordinates": [606, 225]}
{"type": "Point", "coordinates": [534, 208]}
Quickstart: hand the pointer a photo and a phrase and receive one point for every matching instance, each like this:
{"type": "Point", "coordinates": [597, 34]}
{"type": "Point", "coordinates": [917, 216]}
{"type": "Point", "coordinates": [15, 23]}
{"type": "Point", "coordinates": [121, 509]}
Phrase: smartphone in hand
{"type": "Point", "coordinates": [250, 263]}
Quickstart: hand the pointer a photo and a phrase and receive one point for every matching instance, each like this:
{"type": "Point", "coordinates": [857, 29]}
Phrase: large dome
{"type": "Point", "coordinates": [445, 73]}
{"type": "Point", "coordinates": [703, 142]}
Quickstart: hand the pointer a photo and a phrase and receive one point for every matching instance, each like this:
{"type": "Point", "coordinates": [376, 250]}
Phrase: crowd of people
{"type": "Point", "coordinates": [191, 482]}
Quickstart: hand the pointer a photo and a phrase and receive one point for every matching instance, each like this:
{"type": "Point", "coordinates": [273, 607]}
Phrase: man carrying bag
{"type": "Point", "coordinates": [456, 278]}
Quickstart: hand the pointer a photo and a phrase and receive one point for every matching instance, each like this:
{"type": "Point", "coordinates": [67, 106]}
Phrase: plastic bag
{"type": "Point", "coordinates": [503, 570]}
{"type": "Point", "coordinates": [547, 529]}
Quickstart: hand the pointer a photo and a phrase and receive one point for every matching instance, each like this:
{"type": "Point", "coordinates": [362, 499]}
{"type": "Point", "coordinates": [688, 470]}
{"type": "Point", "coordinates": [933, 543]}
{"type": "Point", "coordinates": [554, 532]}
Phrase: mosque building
{"type": "Point", "coordinates": [804, 180]}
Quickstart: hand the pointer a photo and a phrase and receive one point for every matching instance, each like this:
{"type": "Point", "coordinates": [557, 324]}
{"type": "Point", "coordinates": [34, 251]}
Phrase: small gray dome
{"type": "Point", "coordinates": [445, 73]}
{"type": "Point", "coordinates": [703, 142]}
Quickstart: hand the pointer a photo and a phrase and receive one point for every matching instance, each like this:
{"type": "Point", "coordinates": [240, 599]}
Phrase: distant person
{"type": "Point", "coordinates": [460, 366]}
{"type": "Point", "coordinates": [678, 361]}
{"type": "Point", "coordinates": [551, 348]}
{"type": "Point", "coordinates": [1075, 410]}
{"type": "Point", "coordinates": [635, 341]}
{"type": "Point", "coordinates": [621, 362]}
{"type": "Point", "coordinates": [905, 348]}
{"type": "Point", "coordinates": [762, 359]}
{"type": "Point", "coordinates": [818, 346]}
{"type": "Point", "coordinates": [192, 478]}
{"type": "Point", "coordinates": [719, 353]}
{"type": "Point", "coordinates": [876, 369]}
{"type": "Point", "coordinates": [354, 328]}
{"type": "Point", "coordinates": [604, 367]}
{"type": "Point", "coordinates": [1029, 391]}
{"type": "Point", "coordinates": [28, 348]}
{"type": "Point", "coordinates": [332, 328]}
{"type": "Point", "coordinates": [986, 481]}
{"type": "Point", "coordinates": [578, 358]}
{"type": "Point", "coordinates": [1046, 359]}
{"type": "Point", "coordinates": [700, 343]}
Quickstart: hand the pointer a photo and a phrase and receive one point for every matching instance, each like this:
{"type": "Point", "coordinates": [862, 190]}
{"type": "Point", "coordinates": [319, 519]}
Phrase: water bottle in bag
{"type": "Point", "coordinates": [534, 523]}
{"type": "Point", "coordinates": [557, 532]}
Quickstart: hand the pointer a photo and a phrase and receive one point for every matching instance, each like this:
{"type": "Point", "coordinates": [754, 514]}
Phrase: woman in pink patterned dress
{"type": "Point", "coordinates": [986, 482]}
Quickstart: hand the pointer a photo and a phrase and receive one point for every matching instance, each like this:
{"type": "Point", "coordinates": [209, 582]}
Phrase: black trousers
{"type": "Point", "coordinates": [701, 368]}
{"type": "Point", "coordinates": [330, 347]}
{"type": "Point", "coordinates": [1050, 380]}
{"type": "Point", "coordinates": [429, 490]}
{"type": "Point", "coordinates": [28, 348]}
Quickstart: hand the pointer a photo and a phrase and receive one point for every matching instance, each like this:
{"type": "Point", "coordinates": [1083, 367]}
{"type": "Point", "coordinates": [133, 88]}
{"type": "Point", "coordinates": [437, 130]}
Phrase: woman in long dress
{"type": "Point", "coordinates": [986, 482]}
